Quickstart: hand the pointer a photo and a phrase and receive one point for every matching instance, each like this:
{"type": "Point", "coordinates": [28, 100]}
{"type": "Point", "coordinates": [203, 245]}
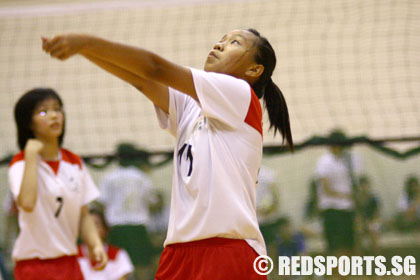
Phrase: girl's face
{"type": "Point", "coordinates": [48, 120]}
{"type": "Point", "coordinates": [233, 54]}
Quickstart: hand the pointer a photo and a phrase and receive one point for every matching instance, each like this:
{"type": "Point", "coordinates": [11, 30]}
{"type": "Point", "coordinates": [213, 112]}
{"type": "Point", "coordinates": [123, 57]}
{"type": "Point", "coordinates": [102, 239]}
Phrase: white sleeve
{"type": "Point", "coordinates": [403, 203]}
{"type": "Point", "coordinates": [222, 97]}
{"type": "Point", "coordinates": [322, 167]}
{"type": "Point", "coordinates": [123, 263]}
{"type": "Point", "coordinates": [105, 189]}
{"type": "Point", "coordinates": [179, 103]}
{"type": "Point", "coordinates": [357, 164]}
{"type": "Point", "coordinates": [15, 174]}
{"type": "Point", "coordinates": [90, 191]}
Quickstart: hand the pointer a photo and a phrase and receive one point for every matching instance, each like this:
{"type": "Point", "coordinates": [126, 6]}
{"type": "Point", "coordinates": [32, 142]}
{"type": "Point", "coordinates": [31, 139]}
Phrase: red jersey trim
{"type": "Point", "coordinates": [54, 165]}
{"type": "Point", "coordinates": [69, 157]}
{"type": "Point", "coordinates": [254, 115]}
{"type": "Point", "coordinates": [66, 156]}
{"type": "Point", "coordinates": [18, 157]}
{"type": "Point", "coordinates": [112, 252]}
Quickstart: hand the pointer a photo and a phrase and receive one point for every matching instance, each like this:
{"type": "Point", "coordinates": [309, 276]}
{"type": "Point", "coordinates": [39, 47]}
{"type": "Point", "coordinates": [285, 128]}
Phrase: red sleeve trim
{"type": "Point", "coordinates": [80, 251]}
{"type": "Point", "coordinates": [112, 252]}
{"type": "Point", "coordinates": [254, 115]}
{"type": "Point", "coordinates": [18, 157]}
{"type": "Point", "coordinates": [71, 158]}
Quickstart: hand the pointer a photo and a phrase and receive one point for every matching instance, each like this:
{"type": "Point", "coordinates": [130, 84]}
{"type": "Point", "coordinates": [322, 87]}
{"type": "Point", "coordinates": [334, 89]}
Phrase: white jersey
{"type": "Point", "coordinates": [51, 229]}
{"type": "Point", "coordinates": [127, 193]}
{"type": "Point", "coordinates": [216, 160]}
{"type": "Point", "coordinates": [336, 170]}
{"type": "Point", "coordinates": [119, 264]}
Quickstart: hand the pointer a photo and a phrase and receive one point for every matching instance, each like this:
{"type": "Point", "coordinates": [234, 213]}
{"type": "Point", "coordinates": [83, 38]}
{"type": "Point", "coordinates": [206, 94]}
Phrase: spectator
{"type": "Point", "coordinates": [288, 241]}
{"type": "Point", "coordinates": [157, 227]}
{"type": "Point", "coordinates": [12, 227]}
{"type": "Point", "coordinates": [4, 275]}
{"type": "Point", "coordinates": [335, 171]}
{"type": "Point", "coordinates": [267, 204]}
{"type": "Point", "coordinates": [127, 194]}
{"type": "Point", "coordinates": [369, 211]}
{"type": "Point", "coordinates": [409, 205]}
{"type": "Point", "coordinates": [119, 266]}
{"type": "Point", "coordinates": [312, 226]}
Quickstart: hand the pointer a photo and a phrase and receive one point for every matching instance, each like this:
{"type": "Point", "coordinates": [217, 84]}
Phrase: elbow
{"type": "Point", "coordinates": [155, 70]}
{"type": "Point", "coordinates": [27, 206]}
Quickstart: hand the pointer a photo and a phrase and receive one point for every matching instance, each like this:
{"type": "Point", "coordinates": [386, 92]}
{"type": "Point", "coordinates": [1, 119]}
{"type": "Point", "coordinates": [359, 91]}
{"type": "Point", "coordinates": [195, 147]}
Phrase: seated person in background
{"type": "Point", "coordinates": [312, 227]}
{"type": "Point", "coordinates": [3, 271]}
{"type": "Point", "coordinates": [119, 265]}
{"type": "Point", "coordinates": [369, 211]}
{"type": "Point", "coordinates": [127, 192]}
{"type": "Point", "coordinates": [267, 204]}
{"type": "Point", "coordinates": [408, 217]}
{"type": "Point", "coordinates": [158, 226]}
{"type": "Point", "coordinates": [288, 241]}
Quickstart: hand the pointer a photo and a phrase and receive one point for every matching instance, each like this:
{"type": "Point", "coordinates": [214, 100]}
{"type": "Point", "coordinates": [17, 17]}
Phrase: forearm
{"type": "Point", "coordinates": [29, 188]}
{"type": "Point", "coordinates": [135, 60]}
{"type": "Point", "coordinates": [154, 91]}
{"type": "Point", "coordinates": [88, 231]}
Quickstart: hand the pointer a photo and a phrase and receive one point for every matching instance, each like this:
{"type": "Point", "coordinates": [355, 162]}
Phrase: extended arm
{"type": "Point", "coordinates": [156, 92]}
{"type": "Point", "coordinates": [139, 62]}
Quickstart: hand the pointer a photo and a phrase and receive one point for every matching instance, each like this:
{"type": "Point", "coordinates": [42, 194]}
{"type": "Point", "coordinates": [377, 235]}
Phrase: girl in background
{"type": "Point", "coordinates": [51, 187]}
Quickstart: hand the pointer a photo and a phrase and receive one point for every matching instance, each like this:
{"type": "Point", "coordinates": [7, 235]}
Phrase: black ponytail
{"type": "Point", "coordinates": [274, 101]}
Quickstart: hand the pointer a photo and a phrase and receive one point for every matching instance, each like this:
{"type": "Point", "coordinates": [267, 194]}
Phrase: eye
{"type": "Point", "coordinates": [42, 113]}
{"type": "Point", "coordinates": [236, 42]}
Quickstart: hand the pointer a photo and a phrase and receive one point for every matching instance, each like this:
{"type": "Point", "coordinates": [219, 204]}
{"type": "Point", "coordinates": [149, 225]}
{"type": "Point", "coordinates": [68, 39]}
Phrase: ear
{"type": "Point", "coordinates": [255, 71]}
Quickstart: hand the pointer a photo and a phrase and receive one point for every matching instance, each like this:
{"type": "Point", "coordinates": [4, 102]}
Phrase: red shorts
{"type": "Point", "coordinates": [63, 268]}
{"type": "Point", "coordinates": [208, 259]}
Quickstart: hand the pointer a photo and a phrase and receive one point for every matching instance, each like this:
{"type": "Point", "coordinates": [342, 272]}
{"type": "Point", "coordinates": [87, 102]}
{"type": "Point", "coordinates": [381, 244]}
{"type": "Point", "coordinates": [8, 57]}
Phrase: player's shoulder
{"type": "Point", "coordinates": [19, 157]}
{"type": "Point", "coordinates": [70, 157]}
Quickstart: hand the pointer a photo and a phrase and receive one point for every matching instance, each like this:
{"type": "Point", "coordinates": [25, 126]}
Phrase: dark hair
{"type": "Point", "coordinates": [129, 155]}
{"type": "Point", "coordinates": [337, 137]}
{"type": "Point", "coordinates": [265, 88]}
{"type": "Point", "coordinates": [364, 180]}
{"type": "Point", "coordinates": [24, 110]}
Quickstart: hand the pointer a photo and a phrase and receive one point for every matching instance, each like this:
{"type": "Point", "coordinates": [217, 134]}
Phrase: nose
{"type": "Point", "coordinates": [219, 46]}
{"type": "Point", "coordinates": [53, 114]}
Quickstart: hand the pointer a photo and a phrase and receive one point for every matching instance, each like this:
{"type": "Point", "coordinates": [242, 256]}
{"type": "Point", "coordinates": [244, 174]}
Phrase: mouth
{"type": "Point", "coordinates": [55, 125]}
{"type": "Point", "coordinates": [213, 54]}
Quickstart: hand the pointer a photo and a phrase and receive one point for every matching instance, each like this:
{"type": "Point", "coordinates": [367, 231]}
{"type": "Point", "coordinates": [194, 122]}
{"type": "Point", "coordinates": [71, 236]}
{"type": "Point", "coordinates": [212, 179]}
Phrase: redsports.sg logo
{"type": "Point", "coordinates": [321, 266]}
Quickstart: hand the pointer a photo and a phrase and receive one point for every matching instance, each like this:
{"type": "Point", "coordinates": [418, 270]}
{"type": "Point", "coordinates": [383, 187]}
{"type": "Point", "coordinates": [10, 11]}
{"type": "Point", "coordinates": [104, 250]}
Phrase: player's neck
{"type": "Point", "coordinates": [50, 151]}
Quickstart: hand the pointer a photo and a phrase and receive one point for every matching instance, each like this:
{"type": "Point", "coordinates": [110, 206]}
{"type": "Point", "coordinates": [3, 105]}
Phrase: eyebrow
{"type": "Point", "coordinates": [235, 35]}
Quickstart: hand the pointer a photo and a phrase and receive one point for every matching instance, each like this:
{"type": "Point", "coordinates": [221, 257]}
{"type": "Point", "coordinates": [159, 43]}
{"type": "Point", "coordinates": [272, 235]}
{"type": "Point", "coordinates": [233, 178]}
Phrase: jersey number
{"type": "Point", "coordinates": [187, 147]}
{"type": "Point", "coordinates": [60, 206]}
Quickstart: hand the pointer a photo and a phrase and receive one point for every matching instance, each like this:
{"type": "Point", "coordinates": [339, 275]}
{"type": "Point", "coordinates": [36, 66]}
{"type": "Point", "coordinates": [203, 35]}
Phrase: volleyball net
{"type": "Point", "coordinates": [348, 64]}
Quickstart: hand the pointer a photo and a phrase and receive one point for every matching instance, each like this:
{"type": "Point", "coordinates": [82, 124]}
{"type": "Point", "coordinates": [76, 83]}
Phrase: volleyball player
{"type": "Point", "coordinates": [51, 187]}
{"type": "Point", "coordinates": [216, 118]}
